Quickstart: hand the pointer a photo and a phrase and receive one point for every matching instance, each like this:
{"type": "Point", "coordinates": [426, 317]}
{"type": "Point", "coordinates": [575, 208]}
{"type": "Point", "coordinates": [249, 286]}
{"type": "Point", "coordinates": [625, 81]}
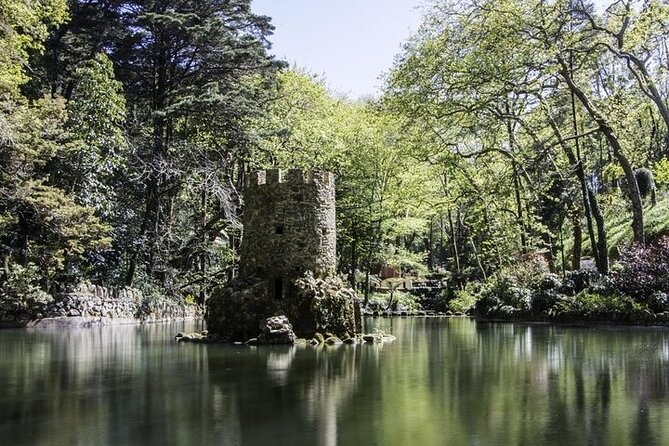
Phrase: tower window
{"type": "Point", "coordinates": [278, 229]}
{"type": "Point", "coordinates": [278, 288]}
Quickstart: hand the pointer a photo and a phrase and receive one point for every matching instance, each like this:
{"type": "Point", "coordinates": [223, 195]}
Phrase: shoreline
{"type": "Point", "coordinates": [74, 322]}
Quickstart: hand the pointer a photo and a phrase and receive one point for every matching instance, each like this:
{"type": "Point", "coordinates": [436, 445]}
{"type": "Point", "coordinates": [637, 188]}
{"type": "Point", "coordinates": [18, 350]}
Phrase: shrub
{"type": "Point", "coordinates": [543, 301]}
{"type": "Point", "coordinates": [579, 280]}
{"type": "Point", "coordinates": [643, 271]}
{"type": "Point", "coordinates": [598, 307]}
{"type": "Point", "coordinates": [659, 302]}
{"type": "Point", "coordinates": [190, 300]}
{"type": "Point", "coordinates": [465, 300]}
{"type": "Point", "coordinates": [645, 181]}
{"type": "Point", "coordinates": [503, 291]}
{"type": "Point", "coordinates": [528, 271]}
{"type": "Point", "coordinates": [433, 299]}
{"type": "Point", "coordinates": [550, 282]}
{"type": "Point", "coordinates": [400, 301]}
{"type": "Point", "coordinates": [21, 291]}
{"type": "Point", "coordinates": [662, 172]}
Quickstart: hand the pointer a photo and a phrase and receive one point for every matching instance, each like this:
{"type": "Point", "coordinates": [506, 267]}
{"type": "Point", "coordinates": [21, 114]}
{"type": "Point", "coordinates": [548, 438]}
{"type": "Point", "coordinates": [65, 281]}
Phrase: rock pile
{"type": "Point", "coordinates": [276, 330]}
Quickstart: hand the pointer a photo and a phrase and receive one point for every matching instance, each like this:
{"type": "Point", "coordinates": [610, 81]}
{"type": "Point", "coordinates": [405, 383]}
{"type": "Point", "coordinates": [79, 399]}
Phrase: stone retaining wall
{"type": "Point", "coordinates": [88, 304]}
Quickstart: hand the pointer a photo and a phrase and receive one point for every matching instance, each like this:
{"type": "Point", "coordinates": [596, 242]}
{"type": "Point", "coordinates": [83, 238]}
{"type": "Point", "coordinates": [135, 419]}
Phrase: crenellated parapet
{"type": "Point", "coordinates": [274, 177]}
{"type": "Point", "coordinates": [289, 224]}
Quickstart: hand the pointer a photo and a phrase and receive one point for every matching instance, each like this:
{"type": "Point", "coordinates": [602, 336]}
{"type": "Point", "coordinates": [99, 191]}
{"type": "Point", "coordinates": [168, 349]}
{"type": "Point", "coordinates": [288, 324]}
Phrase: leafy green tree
{"type": "Point", "coordinates": [195, 72]}
{"type": "Point", "coordinates": [45, 233]}
{"type": "Point", "coordinates": [381, 190]}
{"type": "Point", "coordinates": [509, 82]}
{"type": "Point", "coordinates": [24, 26]}
{"type": "Point", "coordinates": [42, 223]}
{"type": "Point", "coordinates": [96, 115]}
{"type": "Point", "coordinates": [194, 75]}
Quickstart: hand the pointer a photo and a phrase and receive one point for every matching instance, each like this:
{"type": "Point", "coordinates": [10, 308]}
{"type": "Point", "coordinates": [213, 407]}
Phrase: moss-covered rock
{"type": "Point", "coordinates": [333, 340]}
{"type": "Point", "coordinates": [312, 305]}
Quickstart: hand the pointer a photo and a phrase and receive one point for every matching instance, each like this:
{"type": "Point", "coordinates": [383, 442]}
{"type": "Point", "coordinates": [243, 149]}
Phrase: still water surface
{"type": "Point", "coordinates": [443, 382]}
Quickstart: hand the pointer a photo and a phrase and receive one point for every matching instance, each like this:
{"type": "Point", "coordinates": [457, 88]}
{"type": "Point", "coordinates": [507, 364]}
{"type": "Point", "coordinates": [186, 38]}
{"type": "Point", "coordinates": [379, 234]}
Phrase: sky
{"type": "Point", "coordinates": [351, 43]}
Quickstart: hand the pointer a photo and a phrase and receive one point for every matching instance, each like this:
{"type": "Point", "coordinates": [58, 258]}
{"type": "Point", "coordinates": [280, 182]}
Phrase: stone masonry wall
{"type": "Point", "coordinates": [88, 304]}
{"type": "Point", "coordinates": [289, 224]}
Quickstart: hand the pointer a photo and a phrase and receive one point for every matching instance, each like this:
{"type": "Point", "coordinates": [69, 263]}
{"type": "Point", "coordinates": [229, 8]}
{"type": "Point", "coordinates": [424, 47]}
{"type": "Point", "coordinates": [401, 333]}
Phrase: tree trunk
{"type": "Point", "coordinates": [601, 248]}
{"type": "Point", "coordinates": [590, 204]}
{"type": "Point", "coordinates": [454, 242]}
{"type": "Point", "coordinates": [608, 132]}
{"type": "Point", "coordinates": [578, 244]}
{"type": "Point", "coordinates": [430, 244]}
{"type": "Point", "coordinates": [354, 255]}
{"type": "Point", "coordinates": [519, 209]}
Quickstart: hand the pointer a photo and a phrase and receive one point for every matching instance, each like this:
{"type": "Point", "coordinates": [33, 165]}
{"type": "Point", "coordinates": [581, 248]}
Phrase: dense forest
{"type": "Point", "coordinates": [512, 140]}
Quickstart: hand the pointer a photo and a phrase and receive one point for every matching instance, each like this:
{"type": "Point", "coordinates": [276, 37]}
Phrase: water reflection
{"type": "Point", "coordinates": [454, 382]}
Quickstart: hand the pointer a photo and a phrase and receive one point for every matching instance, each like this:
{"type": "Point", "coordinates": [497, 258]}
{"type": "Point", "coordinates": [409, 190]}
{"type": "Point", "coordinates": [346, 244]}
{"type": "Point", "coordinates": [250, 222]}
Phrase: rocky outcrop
{"type": "Point", "coordinates": [319, 305]}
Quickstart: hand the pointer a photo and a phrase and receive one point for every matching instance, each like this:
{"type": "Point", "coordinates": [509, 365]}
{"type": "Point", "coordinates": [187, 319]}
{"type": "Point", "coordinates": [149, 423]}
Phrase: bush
{"type": "Point", "coordinates": [659, 302]}
{"type": "Point", "coordinates": [400, 301]}
{"type": "Point", "coordinates": [465, 300]}
{"type": "Point", "coordinates": [645, 181]}
{"type": "Point", "coordinates": [550, 282]}
{"type": "Point", "coordinates": [597, 307]}
{"type": "Point", "coordinates": [543, 301]}
{"type": "Point", "coordinates": [580, 280]}
{"type": "Point", "coordinates": [503, 291]}
{"type": "Point", "coordinates": [433, 299]}
{"type": "Point", "coordinates": [511, 289]}
{"type": "Point", "coordinates": [528, 271]}
{"type": "Point", "coordinates": [21, 292]}
{"type": "Point", "coordinates": [643, 271]}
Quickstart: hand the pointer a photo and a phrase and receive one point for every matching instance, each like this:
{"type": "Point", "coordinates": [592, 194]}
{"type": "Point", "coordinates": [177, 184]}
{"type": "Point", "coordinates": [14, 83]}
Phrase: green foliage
{"type": "Point", "coordinates": [190, 300]}
{"type": "Point", "coordinates": [517, 288]}
{"type": "Point", "coordinates": [502, 294]}
{"type": "Point", "coordinates": [618, 227]}
{"type": "Point", "coordinates": [403, 260]}
{"type": "Point", "coordinates": [24, 25]}
{"type": "Point", "coordinates": [396, 301]}
{"type": "Point", "coordinates": [96, 118]}
{"type": "Point", "coordinates": [466, 164]}
{"type": "Point", "coordinates": [465, 300]}
{"type": "Point", "coordinates": [42, 223]}
{"type": "Point", "coordinates": [611, 172]}
{"type": "Point", "coordinates": [20, 289]}
{"type": "Point", "coordinates": [661, 169]}
{"type": "Point", "coordinates": [597, 307]}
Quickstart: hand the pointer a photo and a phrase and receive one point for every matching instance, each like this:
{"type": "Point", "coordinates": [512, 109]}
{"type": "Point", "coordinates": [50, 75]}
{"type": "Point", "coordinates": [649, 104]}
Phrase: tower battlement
{"type": "Point", "coordinates": [289, 224]}
{"type": "Point", "coordinates": [272, 177]}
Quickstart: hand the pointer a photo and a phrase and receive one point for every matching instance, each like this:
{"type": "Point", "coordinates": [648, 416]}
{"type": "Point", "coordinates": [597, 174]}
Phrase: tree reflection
{"type": "Point", "coordinates": [442, 382]}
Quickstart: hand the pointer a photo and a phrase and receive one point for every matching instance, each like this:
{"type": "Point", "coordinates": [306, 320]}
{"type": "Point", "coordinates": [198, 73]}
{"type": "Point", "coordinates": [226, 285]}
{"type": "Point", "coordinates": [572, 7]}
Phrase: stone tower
{"type": "Point", "coordinates": [289, 227]}
{"type": "Point", "coordinates": [287, 261]}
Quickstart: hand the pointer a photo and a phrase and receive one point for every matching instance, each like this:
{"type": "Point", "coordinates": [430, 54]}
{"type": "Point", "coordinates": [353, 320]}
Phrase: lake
{"type": "Point", "coordinates": [442, 382]}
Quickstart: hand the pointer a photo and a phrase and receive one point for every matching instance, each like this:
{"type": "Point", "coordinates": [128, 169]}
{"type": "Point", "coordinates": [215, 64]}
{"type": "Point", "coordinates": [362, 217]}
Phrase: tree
{"type": "Point", "coordinates": [45, 233]}
{"type": "Point", "coordinates": [493, 79]}
{"type": "Point", "coordinates": [24, 27]}
{"type": "Point", "coordinates": [194, 76]}
{"type": "Point", "coordinates": [635, 36]}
